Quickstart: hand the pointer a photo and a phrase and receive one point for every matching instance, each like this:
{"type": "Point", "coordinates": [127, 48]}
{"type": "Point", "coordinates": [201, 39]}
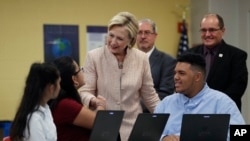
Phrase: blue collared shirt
{"type": "Point", "coordinates": [207, 101]}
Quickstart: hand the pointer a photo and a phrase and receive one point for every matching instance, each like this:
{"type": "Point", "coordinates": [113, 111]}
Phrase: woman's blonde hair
{"type": "Point", "coordinates": [127, 20]}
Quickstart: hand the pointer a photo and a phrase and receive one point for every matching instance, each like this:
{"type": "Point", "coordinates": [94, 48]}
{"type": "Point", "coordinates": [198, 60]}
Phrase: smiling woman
{"type": "Point", "coordinates": [120, 73]}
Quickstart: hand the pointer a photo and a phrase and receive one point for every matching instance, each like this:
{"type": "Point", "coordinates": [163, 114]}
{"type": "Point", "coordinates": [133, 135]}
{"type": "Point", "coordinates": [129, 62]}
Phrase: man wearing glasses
{"type": "Point", "coordinates": [162, 65]}
{"type": "Point", "coordinates": [226, 64]}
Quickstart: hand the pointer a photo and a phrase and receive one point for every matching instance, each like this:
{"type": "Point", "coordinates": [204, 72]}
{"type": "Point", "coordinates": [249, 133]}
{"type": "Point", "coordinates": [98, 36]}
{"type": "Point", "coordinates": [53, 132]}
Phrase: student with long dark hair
{"type": "Point", "coordinates": [73, 120]}
{"type": "Point", "coordinates": [33, 120]}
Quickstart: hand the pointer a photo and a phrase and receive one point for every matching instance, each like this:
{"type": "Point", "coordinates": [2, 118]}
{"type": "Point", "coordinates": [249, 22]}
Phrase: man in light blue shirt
{"type": "Point", "coordinates": [193, 96]}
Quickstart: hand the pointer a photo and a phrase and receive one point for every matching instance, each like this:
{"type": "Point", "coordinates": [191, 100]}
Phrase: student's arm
{"type": "Point", "coordinates": [86, 117]}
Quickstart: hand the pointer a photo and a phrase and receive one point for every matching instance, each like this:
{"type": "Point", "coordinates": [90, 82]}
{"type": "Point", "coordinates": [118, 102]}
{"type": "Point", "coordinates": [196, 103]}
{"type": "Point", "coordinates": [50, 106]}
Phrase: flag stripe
{"type": "Point", "coordinates": [183, 44]}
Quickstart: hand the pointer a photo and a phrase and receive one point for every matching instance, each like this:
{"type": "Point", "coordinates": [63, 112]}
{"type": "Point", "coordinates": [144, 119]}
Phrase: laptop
{"type": "Point", "coordinates": [107, 125]}
{"type": "Point", "coordinates": [148, 127]}
{"type": "Point", "coordinates": [204, 127]}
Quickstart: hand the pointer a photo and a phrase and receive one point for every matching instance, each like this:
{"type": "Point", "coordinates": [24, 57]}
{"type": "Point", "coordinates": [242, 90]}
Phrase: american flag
{"type": "Point", "coordinates": [183, 44]}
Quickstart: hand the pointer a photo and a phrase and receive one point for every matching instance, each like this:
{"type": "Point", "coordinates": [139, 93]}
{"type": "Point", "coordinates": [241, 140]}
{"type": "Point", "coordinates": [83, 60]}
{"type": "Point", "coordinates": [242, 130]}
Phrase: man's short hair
{"type": "Point", "coordinates": [195, 60]}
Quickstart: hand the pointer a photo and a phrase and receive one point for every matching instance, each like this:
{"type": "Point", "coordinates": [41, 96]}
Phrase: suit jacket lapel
{"type": "Point", "coordinates": [154, 57]}
{"type": "Point", "coordinates": [218, 60]}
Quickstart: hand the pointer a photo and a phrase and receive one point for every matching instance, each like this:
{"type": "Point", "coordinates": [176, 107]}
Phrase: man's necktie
{"type": "Point", "coordinates": [209, 56]}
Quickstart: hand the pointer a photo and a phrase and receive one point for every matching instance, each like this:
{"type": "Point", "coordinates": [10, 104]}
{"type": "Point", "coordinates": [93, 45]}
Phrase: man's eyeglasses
{"type": "Point", "coordinates": [210, 30]}
{"type": "Point", "coordinates": [145, 33]}
{"type": "Point", "coordinates": [80, 69]}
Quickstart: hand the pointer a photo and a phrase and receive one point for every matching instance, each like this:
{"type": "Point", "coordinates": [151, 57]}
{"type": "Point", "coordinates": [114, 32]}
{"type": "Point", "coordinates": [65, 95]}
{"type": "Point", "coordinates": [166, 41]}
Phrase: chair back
{"type": "Point", "coordinates": [5, 126]}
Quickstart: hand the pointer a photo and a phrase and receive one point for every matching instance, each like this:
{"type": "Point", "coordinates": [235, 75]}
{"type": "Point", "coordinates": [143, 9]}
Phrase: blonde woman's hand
{"type": "Point", "coordinates": [98, 102]}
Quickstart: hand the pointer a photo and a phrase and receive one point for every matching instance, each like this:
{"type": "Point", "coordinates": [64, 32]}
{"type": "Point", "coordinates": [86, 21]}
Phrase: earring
{"type": "Point", "coordinates": [76, 84]}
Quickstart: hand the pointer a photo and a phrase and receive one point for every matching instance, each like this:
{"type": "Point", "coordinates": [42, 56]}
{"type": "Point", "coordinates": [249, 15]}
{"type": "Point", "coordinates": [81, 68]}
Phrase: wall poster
{"type": "Point", "coordinates": [61, 40]}
{"type": "Point", "coordinates": [96, 36]}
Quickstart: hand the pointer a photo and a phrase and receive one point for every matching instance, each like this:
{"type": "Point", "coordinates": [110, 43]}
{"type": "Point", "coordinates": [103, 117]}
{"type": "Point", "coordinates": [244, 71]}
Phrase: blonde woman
{"type": "Point", "coordinates": [120, 73]}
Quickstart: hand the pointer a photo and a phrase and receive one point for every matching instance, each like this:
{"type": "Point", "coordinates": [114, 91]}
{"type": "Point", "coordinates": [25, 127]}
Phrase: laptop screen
{"type": "Point", "coordinates": [107, 125]}
{"type": "Point", "coordinates": [204, 127]}
{"type": "Point", "coordinates": [148, 127]}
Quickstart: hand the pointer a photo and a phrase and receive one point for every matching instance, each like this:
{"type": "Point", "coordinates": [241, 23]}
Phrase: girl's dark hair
{"type": "Point", "coordinates": [40, 75]}
{"type": "Point", "coordinates": [67, 69]}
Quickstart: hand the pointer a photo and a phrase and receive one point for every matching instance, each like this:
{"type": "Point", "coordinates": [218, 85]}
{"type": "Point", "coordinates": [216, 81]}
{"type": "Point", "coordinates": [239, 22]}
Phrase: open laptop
{"type": "Point", "coordinates": [204, 127]}
{"type": "Point", "coordinates": [107, 125]}
{"type": "Point", "coordinates": [148, 127]}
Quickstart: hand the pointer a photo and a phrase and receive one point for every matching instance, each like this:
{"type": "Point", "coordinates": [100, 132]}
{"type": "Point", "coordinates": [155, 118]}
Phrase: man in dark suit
{"type": "Point", "coordinates": [162, 64]}
{"type": "Point", "coordinates": [227, 69]}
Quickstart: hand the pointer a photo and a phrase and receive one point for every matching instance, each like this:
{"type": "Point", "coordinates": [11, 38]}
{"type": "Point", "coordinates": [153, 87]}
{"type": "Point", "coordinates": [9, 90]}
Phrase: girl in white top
{"type": "Point", "coordinates": [33, 120]}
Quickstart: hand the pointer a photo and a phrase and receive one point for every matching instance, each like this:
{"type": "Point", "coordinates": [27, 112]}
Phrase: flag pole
{"type": "Point", "coordinates": [184, 15]}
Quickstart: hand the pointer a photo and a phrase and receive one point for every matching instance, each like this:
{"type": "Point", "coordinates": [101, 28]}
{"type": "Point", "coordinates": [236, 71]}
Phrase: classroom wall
{"type": "Point", "coordinates": [21, 33]}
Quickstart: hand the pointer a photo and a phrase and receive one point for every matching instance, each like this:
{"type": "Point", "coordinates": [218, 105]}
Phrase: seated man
{"type": "Point", "coordinates": [193, 96]}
